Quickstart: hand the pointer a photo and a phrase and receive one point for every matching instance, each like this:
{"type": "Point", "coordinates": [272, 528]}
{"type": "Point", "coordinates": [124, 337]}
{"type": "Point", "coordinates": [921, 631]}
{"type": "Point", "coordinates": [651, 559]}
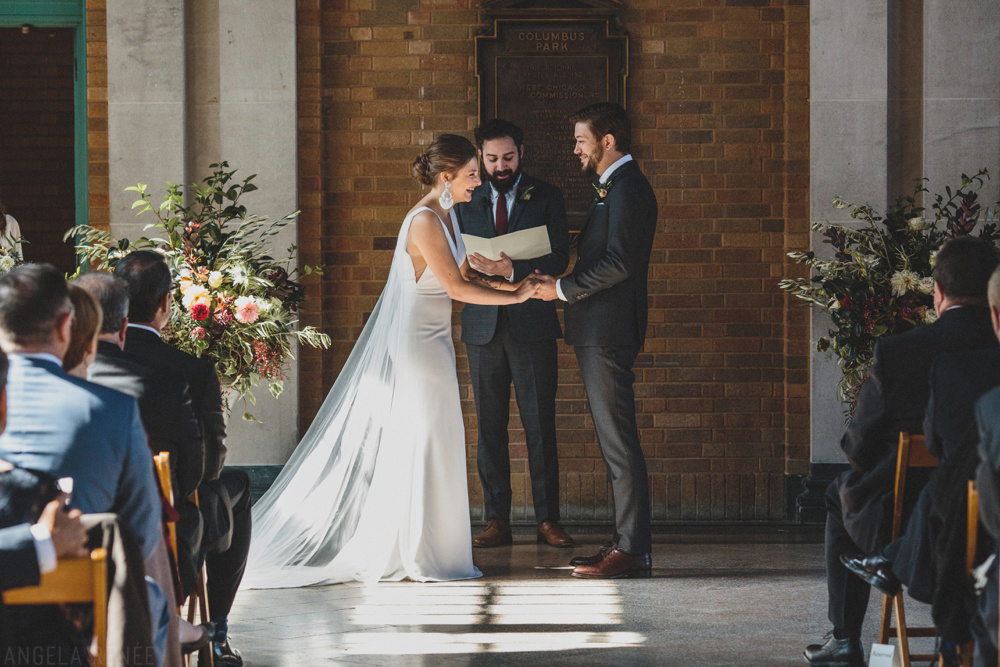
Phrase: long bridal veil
{"type": "Point", "coordinates": [313, 508]}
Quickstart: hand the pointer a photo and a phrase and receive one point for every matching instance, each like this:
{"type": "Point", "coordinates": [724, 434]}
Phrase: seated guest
{"type": "Point", "coordinates": [166, 414]}
{"type": "Point", "coordinates": [225, 493]}
{"type": "Point", "coordinates": [64, 426]}
{"type": "Point", "coordinates": [929, 558]}
{"type": "Point", "coordinates": [164, 407]}
{"type": "Point", "coordinates": [29, 551]}
{"type": "Point", "coordinates": [894, 399]}
{"type": "Point", "coordinates": [83, 335]}
{"type": "Point", "coordinates": [984, 624]}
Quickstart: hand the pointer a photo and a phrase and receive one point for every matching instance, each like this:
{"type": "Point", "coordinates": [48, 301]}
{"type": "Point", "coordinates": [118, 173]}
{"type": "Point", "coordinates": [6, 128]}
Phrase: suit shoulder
{"type": "Point", "coordinates": [988, 404]}
{"type": "Point", "coordinates": [112, 399]}
{"type": "Point", "coordinates": [968, 363]}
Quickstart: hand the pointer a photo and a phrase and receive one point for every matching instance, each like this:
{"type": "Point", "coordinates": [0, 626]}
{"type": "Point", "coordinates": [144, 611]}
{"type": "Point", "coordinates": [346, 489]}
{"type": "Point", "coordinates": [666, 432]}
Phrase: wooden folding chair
{"type": "Point", "coordinates": [971, 541]}
{"type": "Point", "coordinates": [199, 598]}
{"type": "Point", "coordinates": [75, 580]}
{"type": "Point", "coordinates": [912, 454]}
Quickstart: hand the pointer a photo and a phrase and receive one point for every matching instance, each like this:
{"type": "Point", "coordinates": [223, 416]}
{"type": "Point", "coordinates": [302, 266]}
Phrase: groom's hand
{"type": "Point", "coordinates": [502, 267]}
{"type": "Point", "coordinates": [546, 287]}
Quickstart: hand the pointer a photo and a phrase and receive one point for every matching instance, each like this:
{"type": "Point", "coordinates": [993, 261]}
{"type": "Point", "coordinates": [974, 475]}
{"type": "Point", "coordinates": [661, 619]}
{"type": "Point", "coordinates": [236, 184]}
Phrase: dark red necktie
{"type": "Point", "coordinates": [501, 215]}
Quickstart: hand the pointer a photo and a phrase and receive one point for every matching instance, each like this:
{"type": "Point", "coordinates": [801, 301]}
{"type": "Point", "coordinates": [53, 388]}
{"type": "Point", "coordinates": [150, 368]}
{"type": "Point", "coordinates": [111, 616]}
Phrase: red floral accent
{"type": "Point", "coordinates": [200, 311]}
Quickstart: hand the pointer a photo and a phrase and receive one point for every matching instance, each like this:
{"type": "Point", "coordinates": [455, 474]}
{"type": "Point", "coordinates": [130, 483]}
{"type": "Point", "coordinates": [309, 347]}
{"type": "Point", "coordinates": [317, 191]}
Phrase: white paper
{"type": "Point", "coordinates": [884, 655]}
{"type": "Point", "coordinates": [525, 244]}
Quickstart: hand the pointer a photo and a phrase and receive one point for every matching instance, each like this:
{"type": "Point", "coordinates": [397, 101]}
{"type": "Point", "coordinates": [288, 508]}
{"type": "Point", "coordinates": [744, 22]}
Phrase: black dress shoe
{"type": "Point", "coordinates": [207, 630]}
{"type": "Point", "coordinates": [608, 547]}
{"type": "Point", "coordinates": [226, 655]}
{"type": "Point", "coordinates": [875, 570]}
{"type": "Point", "coordinates": [836, 653]}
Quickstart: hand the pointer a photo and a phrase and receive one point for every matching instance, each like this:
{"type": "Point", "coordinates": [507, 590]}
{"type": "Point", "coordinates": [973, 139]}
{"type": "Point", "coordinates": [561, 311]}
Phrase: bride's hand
{"type": "Point", "coordinates": [526, 289]}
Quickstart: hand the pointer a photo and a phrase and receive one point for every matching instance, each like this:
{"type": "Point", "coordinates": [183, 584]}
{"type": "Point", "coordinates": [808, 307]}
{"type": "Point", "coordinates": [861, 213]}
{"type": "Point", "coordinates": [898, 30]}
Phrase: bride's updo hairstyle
{"type": "Point", "coordinates": [447, 154]}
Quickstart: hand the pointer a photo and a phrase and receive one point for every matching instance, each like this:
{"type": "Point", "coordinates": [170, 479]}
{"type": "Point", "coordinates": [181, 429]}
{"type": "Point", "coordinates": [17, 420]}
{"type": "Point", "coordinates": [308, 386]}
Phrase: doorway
{"type": "Point", "coordinates": [37, 138]}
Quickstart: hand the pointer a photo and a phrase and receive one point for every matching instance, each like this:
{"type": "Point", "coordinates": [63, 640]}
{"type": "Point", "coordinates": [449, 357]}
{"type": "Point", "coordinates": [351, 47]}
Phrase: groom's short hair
{"type": "Point", "coordinates": [606, 118]}
{"type": "Point", "coordinates": [497, 129]}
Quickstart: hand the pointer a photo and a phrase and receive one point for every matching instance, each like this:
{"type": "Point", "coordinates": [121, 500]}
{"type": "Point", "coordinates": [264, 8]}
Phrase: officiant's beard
{"type": "Point", "coordinates": [504, 185]}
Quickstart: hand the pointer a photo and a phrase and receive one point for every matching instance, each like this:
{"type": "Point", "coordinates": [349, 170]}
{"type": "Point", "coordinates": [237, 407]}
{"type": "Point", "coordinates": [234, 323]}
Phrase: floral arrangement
{"type": "Point", "coordinates": [10, 254]}
{"type": "Point", "coordinates": [878, 282]}
{"type": "Point", "coordinates": [235, 304]}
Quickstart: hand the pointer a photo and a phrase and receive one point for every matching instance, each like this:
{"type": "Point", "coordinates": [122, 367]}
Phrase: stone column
{"type": "Point", "coordinates": [848, 102]}
{"type": "Point", "coordinates": [146, 116]}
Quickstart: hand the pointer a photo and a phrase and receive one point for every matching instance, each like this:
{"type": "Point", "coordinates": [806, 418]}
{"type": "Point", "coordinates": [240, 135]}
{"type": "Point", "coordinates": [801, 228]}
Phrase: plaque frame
{"type": "Point", "coordinates": [495, 44]}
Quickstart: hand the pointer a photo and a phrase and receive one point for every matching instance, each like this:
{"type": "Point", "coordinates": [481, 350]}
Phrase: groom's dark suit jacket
{"type": "Point", "coordinates": [536, 204]}
{"type": "Point", "coordinates": [607, 289]}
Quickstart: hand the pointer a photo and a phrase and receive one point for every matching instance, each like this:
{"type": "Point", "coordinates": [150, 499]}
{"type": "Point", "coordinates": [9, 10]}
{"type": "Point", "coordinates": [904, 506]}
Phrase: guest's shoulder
{"type": "Point", "coordinates": [968, 363]}
{"type": "Point", "coordinates": [988, 406]}
{"type": "Point", "coordinates": [101, 395]}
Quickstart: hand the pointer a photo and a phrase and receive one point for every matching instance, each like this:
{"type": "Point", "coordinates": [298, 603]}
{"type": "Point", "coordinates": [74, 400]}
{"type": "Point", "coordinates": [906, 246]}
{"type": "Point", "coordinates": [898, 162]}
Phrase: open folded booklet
{"type": "Point", "coordinates": [525, 244]}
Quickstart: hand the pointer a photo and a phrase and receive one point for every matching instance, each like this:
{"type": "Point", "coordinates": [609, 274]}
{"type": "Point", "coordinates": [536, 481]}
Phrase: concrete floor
{"type": "Point", "coordinates": [714, 599]}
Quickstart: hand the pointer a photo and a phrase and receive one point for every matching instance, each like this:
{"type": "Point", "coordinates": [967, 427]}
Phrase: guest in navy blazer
{"type": "Point", "coordinates": [65, 426]}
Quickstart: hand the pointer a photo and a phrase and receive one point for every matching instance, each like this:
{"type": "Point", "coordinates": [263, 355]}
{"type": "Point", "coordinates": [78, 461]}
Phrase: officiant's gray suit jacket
{"type": "Point", "coordinates": [536, 204]}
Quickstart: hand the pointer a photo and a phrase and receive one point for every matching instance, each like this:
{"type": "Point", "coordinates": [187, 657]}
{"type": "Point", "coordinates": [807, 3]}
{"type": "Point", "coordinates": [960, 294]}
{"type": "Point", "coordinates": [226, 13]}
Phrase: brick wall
{"type": "Point", "coordinates": [98, 197]}
{"type": "Point", "coordinates": [36, 138]}
{"type": "Point", "coordinates": [718, 93]}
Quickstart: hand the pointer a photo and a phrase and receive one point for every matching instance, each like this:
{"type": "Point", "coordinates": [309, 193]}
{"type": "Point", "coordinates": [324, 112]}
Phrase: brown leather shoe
{"type": "Point", "coordinates": [553, 534]}
{"type": "Point", "coordinates": [616, 565]}
{"type": "Point", "coordinates": [596, 558]}
{"type": "Point", "coordinates": [497, 533]}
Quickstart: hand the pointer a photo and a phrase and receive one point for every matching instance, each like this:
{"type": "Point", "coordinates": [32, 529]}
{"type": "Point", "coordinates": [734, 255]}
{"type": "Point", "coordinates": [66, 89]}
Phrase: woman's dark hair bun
{"type": "Point", "coordinates": [447, 154]}
{"type": "Point", "coordinates": [422, 169]}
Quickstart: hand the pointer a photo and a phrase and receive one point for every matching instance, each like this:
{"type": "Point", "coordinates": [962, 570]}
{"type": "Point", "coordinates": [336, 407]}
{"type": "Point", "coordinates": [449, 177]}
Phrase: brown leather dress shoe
{"type": "Point", "coordinates": [596, 558]}
{"type": "Point", "coordinates": [553, 534]}
{"type": "Point", "coordinates": [616, 565]}
{"type": "Point", "coordinates": [497, 533]}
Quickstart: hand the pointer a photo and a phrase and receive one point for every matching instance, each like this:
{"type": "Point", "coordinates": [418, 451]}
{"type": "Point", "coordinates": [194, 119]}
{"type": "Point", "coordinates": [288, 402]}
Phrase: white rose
{"type": "Point", "coordinates": [916, 224]}
{"type": "Point", "coordinates": [6, 263]}
{"type": "Point", "coordinates": [215, 279]}
{"type": "Point", "coordinates": [930, 316]}
{"type": "Point", "coordinates": [926, 285]}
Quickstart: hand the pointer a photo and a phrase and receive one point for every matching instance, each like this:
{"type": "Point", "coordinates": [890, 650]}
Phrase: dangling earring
{"type": "Point", "coordinates": [447, 200]}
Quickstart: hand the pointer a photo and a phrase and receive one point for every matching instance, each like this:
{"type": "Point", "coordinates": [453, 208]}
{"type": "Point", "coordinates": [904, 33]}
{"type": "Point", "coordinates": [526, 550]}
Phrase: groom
{"type": "Point", "coordinates": [606, 311]}
{"type": "Point", "coordinates": [514, 343]}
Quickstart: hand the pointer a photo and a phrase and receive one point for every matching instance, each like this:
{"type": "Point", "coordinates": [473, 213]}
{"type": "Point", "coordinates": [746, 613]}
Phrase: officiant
{"type": "Point", "coordinates": [514, 344]}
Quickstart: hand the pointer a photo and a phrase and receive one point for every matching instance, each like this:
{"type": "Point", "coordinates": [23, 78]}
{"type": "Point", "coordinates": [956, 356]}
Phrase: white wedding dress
{"type": "Point", "coordinates": [377, 489]}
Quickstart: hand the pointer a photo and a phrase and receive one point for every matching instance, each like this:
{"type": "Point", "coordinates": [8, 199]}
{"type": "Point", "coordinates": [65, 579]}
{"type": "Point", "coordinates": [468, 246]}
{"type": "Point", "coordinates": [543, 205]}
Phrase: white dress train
{"type": "Point", "coordinates": [377, 489]}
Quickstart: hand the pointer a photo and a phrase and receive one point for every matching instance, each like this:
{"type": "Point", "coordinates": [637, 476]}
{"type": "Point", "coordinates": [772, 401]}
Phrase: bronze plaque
{"type": "Point", "coordinates": [535, 73]}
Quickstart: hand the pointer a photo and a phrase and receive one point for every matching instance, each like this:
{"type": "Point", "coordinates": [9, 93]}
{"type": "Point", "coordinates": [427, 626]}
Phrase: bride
{"type": "Point", "coordinates": [377, 489]}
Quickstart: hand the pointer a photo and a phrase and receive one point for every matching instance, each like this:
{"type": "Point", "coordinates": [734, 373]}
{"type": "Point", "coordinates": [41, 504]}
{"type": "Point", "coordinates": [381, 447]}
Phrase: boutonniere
{"type": "Point", "coordinates": [602, 189]}
{"type": "Point", "coordinates": [524, 194]}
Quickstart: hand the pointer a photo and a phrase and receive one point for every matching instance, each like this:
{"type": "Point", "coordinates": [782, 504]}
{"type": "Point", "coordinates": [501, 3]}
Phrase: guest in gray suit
{"type": "Point", "coordinates": [514, 343]}
{"type": "Point", "coordinates": [606, 312]}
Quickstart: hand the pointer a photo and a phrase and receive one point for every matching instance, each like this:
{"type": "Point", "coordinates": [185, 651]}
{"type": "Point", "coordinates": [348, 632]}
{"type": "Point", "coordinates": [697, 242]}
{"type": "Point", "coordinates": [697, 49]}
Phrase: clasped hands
{"type": "Point", "coordinates": [536, 285]}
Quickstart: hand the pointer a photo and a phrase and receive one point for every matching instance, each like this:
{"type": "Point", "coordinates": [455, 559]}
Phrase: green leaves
{"type": "Point", "coordinates": [875, 284]}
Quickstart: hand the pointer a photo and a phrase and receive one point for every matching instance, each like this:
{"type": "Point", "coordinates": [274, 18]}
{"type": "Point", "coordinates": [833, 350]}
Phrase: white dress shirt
{"type": "Point", "coordinates": [604, 179]}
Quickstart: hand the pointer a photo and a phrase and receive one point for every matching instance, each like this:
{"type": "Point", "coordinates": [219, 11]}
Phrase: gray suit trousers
{"type": "Point", "coordinates": [608, 379]}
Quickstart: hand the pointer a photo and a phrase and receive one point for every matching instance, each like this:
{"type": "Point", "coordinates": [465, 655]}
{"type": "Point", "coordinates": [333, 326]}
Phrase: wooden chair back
{"type": "Point", "coordinates": [74, 581]}
{"type": "Point", "coordinates": [162, 461]}
{"type": "Point", "coordinates": [911, 454]}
